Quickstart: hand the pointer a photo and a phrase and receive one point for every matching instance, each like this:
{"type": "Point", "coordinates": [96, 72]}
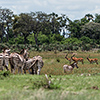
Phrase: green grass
{"type": "Point", "coordinates": [81, 84]}
{"type": "Point", "coordinates": [72, 87]}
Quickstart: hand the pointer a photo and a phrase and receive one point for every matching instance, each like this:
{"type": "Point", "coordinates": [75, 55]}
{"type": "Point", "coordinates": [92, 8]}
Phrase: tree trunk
{"type": "Point", "coordinates": [2, 27]}
{"type": "Point", "coordinates": [35, 36]}
{"type": "Point", "coordinates": [7, 35]}
{"type": "Point", "coordinates": [25, 39]}
{"type": "Point", "coordinates": [1, 39]}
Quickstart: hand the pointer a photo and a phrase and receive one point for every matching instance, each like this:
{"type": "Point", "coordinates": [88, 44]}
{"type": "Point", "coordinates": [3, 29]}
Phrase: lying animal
{"type": "Point", "coordinates": [69, 68]}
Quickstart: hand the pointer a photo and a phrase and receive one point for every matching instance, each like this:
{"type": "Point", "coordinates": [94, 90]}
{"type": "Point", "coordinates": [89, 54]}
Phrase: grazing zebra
{"type": "Point", "coordinates": [35, 63]}
{"type": "Point", "coordinates": [4, 59]}
{"type": "Point", "coordinates": [17, 61]}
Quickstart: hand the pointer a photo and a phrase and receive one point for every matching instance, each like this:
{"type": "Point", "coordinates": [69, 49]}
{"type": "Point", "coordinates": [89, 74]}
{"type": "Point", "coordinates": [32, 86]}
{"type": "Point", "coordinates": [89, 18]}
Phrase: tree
{"type": "Point", "coordinates": [91, 30]}
{"type": "Point", "coordinates": [23, 25]}
{"type": "Point", "coordinates": [89, 17]}
{"type": "Point", "coordinates": [45, 23]}
{"type": "Point", "coordinates": [74, 27]}
{"type": "Point", "coordinates": [97, 18]}
{"type": "Point", "coordinates": [63, 19]}
{"type": "Point", "coordinates": [6, 19]}
{"type": "Point", "coordinates": [36, 24]}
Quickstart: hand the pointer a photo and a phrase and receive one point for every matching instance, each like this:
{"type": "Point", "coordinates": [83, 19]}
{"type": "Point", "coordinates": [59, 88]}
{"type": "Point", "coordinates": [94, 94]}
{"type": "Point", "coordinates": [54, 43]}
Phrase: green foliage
{"type": "Point", "coordinates": [2, 46]}
{"type": "Point", "coordinates": [42, 38]}
{"type": "Point", "coordinates": [86, 47]}
{"type": "Point", "coordinates": [57, 37]}
{"type": "Point", "coordinates": [72, 87]}
{"type": "Point", "coordinates": [91, 30]}
{"type": "Point", "coordinates": [4, 74]}
{"type": "Point", "coordinates": [31, 39]}
{"type": "Point", "coordinates": [98, 51]}
{"type": "Point", "coordinates": [72, 41]}
{"type": "Point", "coordinates": [43, 82]}
{"type": "Point", "coordinates": [86, 39]}
{"type": "Point", "coordinates": [19, 40]}
{"type": "Point", "coordinates": [97, 19]}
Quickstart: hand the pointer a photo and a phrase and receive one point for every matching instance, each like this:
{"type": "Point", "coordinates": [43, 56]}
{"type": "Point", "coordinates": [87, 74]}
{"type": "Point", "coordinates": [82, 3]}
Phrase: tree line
{"type": "Point", "coordinates": [42, 28]}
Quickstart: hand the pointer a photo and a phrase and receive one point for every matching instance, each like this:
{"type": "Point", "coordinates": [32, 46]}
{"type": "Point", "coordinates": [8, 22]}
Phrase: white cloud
{"type": "Point", "coordinates": [72, 8]}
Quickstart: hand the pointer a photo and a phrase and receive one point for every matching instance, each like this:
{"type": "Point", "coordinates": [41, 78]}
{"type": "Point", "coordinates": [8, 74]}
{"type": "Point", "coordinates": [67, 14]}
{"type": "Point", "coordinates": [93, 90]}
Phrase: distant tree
{"type": "Point", "coordinates": [63, 19]}
{"type": "Point", "coordinates": [89, 17]}
{"type": "Point", "coordinates": [54, 24]}
{"type": "Point", "coordinates": [74, 27]}
{"type": "Point", "coordinates": [36, 24]}
{"type": "Point", "coordinates": [6, 19]}
{"type": "Point", "coordinates": [23, 25]}
{"type": "Point", "coordinates": [91, 30]}
{"type": "Point", "coordinates": [97, 18]}
{"type": "Point", "coordinates": [46, 23]}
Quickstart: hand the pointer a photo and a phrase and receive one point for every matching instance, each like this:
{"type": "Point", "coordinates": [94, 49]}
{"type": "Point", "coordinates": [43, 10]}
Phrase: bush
{"type": "Point", "coordinates": [86, 39]}
{"type": "Point", "coordinates": [43, 82]}
{"type": "Point", "coordinates": [4, 74]}
{"type": "Point", "coordinates": [2, 45]}
{"type": "Point", "coordinates": [98, 51]}
{"type": "Point", "coordinates": [86, 47]}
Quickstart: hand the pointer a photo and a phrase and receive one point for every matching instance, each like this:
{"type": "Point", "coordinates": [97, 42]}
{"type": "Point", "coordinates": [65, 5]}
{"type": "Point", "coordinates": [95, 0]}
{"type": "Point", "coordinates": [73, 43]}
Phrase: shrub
{"type": "Point", "coordinates": [98, 51]}
{"type": "Point", "coordinates": [4, 74]}
{"type": "Point", "coordinates": [43, 82]}
{"type": "Point", "coordinates": [2, 45]}
{"type": "Point", "coordinates": [86, 39]}
{"type": "Point", "coordinates": [86, 47]}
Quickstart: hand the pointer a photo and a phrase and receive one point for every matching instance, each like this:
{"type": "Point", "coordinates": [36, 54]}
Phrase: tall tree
{"type": "Point", "coordinates": [36, 24]}
{"type": "Point", "coordinates": [91, 30]}
{"type": "Point", "coordinates": [74, 27]}
{"type": "Point", "coordinates": [54, 24]}
{"type": "Point", "coordinates": [97, 18]}
{"type": "Point", "coordinates": [23, 25]}
{"type": "Point", "coordinates": [6, 19]}
{"type": "Point", "coordinates": [89, 17]}
{"type": "Point", "coordinates": [63, 20]}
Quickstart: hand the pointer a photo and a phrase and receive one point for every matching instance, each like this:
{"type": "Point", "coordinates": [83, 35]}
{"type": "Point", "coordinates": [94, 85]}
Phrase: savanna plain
{"type": "Point", "coordinates": [82, 84]}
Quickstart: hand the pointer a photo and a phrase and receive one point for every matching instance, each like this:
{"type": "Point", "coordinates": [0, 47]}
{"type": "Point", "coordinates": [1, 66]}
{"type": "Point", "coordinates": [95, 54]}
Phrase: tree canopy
{"type": "Point", "coordinates": [43, 28]}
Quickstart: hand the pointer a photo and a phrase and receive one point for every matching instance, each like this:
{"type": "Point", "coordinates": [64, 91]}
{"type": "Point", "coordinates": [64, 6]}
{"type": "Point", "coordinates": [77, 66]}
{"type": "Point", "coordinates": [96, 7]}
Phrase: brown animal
{"type": "Point", "coordinates": [69, 59]}
{"type": "Point", "coordinates": [95, 60]}
{"type": "Point", "coordinates": [69, 68]}
{"type": "Point", "coordinates": [4, 59]}
{"type": "Point", "coordinates": [17, 61]}
{"type": "Point", "coordinates": [77, 59]}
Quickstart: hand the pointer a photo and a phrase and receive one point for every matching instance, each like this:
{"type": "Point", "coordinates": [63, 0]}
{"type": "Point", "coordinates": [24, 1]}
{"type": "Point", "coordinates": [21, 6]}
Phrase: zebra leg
{"type": "Point", "coordinates": [15, 67]}
{"type": "Point", "coordinates": [22, 69]}
{"type": "Point", "coordinates": [19, 69]}
{"type": "Point", "coordinates": [29, 71]}
{"type": "Point", "coordinates": [6, 67]}
{"type": "Point", "coordinates": [38, 71]}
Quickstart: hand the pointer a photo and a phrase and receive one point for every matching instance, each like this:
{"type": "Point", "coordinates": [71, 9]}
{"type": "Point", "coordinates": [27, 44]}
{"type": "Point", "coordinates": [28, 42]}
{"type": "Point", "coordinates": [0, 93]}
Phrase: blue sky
{"type": "Point", "coordinates": [74, 9]}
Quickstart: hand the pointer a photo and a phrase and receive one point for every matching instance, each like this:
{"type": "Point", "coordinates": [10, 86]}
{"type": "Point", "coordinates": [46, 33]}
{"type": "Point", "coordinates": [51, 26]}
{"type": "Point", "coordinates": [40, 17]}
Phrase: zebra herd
{"type": "Point", "coordinates": [20, 61]}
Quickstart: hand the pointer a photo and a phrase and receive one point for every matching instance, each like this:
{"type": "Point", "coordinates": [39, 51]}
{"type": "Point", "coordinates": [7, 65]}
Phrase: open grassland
{"type": "Point", "coordinates": [81, 84]}
{"type": "Point", "coordinates": [53, 63]}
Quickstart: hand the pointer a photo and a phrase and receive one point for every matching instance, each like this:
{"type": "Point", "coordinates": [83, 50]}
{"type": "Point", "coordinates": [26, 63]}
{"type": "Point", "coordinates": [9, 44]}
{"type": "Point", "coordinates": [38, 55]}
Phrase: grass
{"type": "Point", "coordinates": [72, 87]}
{"type": "Point", "coordinates": [53, 67]}
{"type": "Point", "coordinates": [81, 84]}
